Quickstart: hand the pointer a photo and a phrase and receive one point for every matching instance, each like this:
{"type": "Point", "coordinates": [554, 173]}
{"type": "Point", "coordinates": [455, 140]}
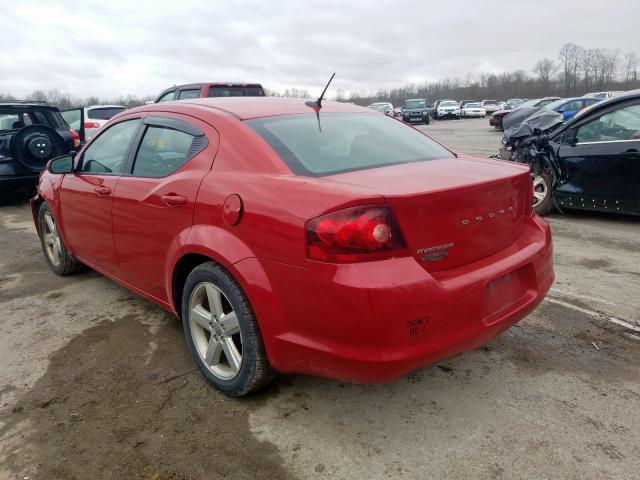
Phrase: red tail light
{"type": "Point", "coordinates": [528, 207]}
{"type": "Point", "coordinates": [355, 234]}
{"type": "Point", "coordinates": [91, 125]}
{"type": "Point", "coordinates": [76, 139]}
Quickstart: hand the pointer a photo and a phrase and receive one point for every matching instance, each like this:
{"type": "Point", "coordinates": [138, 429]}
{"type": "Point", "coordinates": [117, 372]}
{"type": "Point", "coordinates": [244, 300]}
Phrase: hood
{"type": "Point", "coordinates": [517, 116]}
{"type": "Point", "coordinates": [543, 120]}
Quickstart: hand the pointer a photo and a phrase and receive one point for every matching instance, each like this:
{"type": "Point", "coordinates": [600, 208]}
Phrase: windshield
{"type": "Point", "coordinates": [473, 105]}
{"type": "Point", "coordinates": [449, 103]}
{"type": "Point", "coordinates": [415, 104]}
{"type": "Point", "coordinates": [490, 102]}
{"type": "Point", "coordinates": [529, 103]}
{"type": "Point", "coordinates": [554, 105]}
{"type": "Point", "coordinates": [344, 142]}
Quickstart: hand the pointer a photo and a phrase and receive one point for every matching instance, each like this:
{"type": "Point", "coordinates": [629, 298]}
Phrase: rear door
{"type": "Point", "coordinates": [600, 160]}
{"type": "Point", "coordinates": [154, 200]}
{"type": "Point", "coordinates": [86, 195]}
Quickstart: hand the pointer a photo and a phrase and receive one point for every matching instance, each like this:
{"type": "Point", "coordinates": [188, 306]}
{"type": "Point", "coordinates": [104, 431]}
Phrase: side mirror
{"type": "Point", "coordinates": [61, 165]}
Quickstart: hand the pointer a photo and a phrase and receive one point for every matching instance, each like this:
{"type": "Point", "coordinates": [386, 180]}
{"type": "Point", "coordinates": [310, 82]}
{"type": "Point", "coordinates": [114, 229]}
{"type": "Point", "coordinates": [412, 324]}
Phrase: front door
{"type": "Point", "coordinates": [601, 165]}
{"type": "Point", "coordinates": [86, 195]}
{"type": "Point", "coordinates": [154, 201]}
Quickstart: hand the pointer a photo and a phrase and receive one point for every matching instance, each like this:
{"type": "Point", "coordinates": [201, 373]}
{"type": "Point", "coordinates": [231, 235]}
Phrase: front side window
{"type": "Point", "coordinates": [162, 151]}
{"type": "Point", "coordinates": [343, 142]}
{"type": "Point", "coordinates": [167, 97]}
{"type": "Point", "coordinates": [186, 94]}
{"type": "Point", "coordinates": [106, 154]}
{"type": "Point", "coordinates": [621, 124]}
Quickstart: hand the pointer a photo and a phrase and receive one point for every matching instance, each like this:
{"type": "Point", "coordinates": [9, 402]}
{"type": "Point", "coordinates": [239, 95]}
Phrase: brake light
{"type": "Point", "coordinates": [355, 234]}
{"type": "Point", "coordinates": [91, 125]}
{"type": "Point", "coordinates": [76, 139]}
{"type": "Point", "coordinates": [528, 207]}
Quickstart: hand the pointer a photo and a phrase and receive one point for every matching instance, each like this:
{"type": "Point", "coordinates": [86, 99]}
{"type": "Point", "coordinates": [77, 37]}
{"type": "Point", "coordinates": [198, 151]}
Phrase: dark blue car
{"type": "Point", "coordinates": [568, 107]}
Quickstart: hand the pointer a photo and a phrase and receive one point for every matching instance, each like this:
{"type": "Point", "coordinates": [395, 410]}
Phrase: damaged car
{"type": "Point", "coordinates": [591, 162]}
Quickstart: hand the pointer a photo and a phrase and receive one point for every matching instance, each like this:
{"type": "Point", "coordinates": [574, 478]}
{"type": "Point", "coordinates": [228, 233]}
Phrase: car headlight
{"type": "Point", "coordinates": [425, 112]}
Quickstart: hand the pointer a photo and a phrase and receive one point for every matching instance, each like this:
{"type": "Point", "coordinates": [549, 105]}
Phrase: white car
{"type": "Point", "coordinates": [388, 107]}
{"type": "Point", "coordinates": [448, 108]}
{"type": "Point", "coordinates": [96, 116]}
{"type": "Point", "coordinates": [473, 110]}
{"type": "Point", "coordinates": [604, 95]}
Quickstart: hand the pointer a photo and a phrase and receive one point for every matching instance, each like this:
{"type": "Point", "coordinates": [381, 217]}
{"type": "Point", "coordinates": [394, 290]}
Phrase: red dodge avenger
{"type": "Point", "coordinates": [289, 237]}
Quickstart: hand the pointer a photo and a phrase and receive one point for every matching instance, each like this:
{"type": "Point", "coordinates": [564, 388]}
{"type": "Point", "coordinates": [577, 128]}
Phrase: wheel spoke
{"type": "Point", "coordinates": [215, 300]}
{"type": "Point", "coordinates": [231, 352]}
{"type": "Point", "coordinates": [214, 349]}
{"type": "Point", "coordinates": [229, 324]}
{"type": "Point", "coordinates": [50, 223]}
{"type": "Point", "coordinates": [48, 239]}
{"type": "Point", "coordinates": [539, 195]}
{"type": "Point", "coordinates": [201, 316]}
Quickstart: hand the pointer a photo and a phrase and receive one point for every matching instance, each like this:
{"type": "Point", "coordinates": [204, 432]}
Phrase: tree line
{"type": "Point", "coordinates": [574, 72]}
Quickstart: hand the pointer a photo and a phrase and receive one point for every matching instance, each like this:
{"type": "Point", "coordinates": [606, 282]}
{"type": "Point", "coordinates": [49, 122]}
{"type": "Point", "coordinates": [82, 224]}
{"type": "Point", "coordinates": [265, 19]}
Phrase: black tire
{"type": "Point", "coordinates": [255, 370]}
{"type": "Point", "coordinates": [65, 264]}
{"type": "Point", "coordinates": [544, 206]}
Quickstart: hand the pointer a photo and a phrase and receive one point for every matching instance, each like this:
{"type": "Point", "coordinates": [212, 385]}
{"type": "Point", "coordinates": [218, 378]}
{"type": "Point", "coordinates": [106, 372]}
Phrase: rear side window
{"type": "Point", "coordinates": [342, 142]}
{"type": "Point", "coordinates": [192, 93]}
{"type": "Point", "coordinates": [104, 113]}
{"type": "Point", "coordinates": [225, 91]}
{"type": "Point", "coordinates": [162, 151]}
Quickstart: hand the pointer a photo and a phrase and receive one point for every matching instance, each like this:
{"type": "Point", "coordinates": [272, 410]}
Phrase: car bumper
{"type": "Point", "coordinates": [420, 119]}
{"type": "Point", "coordinates": [11, 183]}
{"type": "Point", "coordinates": [376, 321]}
{"type": "Point", "coordinates": [448, 114]}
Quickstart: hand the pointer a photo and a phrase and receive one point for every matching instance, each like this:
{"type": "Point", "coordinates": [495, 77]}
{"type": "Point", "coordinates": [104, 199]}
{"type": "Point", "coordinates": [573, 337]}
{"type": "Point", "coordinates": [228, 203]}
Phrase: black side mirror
{"type": "Point", "coordinates": [61, 165]}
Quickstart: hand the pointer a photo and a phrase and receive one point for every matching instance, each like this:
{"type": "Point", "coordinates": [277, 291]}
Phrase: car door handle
{"type": "Point", "coordinates": [173, 200]}
{"type": "Point", "coordinates": [102, 191]}
{"type": "Point", "coordinates": [631, 153]}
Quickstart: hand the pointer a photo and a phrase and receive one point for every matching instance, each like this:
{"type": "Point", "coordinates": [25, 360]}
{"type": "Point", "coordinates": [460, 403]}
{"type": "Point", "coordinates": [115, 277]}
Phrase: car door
{"type": "Point", "coordinates": [600, 160]}
{"type": "Point", "coordinates": [75, 119]}
{"type": "Point", "coordinates": [86, 195]}
{"type": "Point", "coordinates": [154, 201]}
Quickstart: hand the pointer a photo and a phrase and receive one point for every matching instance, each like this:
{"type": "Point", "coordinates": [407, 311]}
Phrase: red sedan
{"type": "Point", "coordinates": [331, 241]}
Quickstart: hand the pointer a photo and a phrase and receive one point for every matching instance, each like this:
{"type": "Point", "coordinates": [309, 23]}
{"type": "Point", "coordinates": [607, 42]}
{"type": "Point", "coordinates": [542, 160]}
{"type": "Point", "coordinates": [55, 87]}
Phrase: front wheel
{"type": "Point", "coordinates": [222, 332]}
{"type": "Point", "coordinates": [542, 196]}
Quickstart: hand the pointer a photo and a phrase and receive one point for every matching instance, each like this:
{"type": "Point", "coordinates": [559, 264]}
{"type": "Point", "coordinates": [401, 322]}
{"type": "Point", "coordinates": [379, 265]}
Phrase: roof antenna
{"type": "Point", "coordinates": [318, 102]}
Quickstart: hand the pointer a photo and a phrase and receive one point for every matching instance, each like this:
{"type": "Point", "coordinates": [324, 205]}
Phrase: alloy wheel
{"type": "Point", "coordinates": [540, 190]}
{"type": "Point", "coordinates": [51, 237]}
{"type": "Point", "coordinates": [215, 331]}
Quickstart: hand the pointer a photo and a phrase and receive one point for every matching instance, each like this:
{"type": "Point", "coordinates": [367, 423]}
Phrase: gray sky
{"type": "Point", "coordinates": [113, 47]}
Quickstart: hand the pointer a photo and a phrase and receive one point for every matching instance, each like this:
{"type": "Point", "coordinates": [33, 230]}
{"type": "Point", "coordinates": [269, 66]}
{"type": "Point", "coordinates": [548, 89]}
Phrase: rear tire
{"type": "Point", "coordinates": [55, 251]}
{"type": "Point", "coordinates": [222, 332]}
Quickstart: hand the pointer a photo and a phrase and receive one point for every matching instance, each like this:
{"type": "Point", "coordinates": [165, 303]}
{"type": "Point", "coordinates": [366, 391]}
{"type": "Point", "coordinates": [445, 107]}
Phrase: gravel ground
{"type": "Point", "coordinates": [97, 383]}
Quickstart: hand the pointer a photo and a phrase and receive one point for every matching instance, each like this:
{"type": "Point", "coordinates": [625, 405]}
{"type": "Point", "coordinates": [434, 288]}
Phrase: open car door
{"type": "Point", "coordinates": [75, 118]}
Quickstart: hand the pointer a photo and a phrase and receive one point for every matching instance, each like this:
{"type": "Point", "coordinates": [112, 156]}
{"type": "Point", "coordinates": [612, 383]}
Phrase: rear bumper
{"type": "Point", "coordinates": [11, 183]}
{"type": "Point", "coordinates": [374, 322]}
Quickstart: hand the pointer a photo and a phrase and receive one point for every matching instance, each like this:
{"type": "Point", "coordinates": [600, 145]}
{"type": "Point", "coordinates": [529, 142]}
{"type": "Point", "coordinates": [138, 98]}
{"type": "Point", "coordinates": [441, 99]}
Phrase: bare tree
{"type": "Point", "coordinates": [631, 69]}
{"type": "Point", "coordinates": [545, 69]}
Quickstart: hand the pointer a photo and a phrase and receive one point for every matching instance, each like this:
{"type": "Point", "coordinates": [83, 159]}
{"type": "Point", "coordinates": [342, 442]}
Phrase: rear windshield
{"type": "Point", "coordinates": [16, 118]}
{"type": "Point", "coordinates": [342, 142]}
{"type": "Point", "coordinates": [104, 113]}
{"type": "Point", "coordinates": [224, 91]}
{"type": "Point", "coordinates": [449, 103]}
{"type": "Point", "coordinates": [473, 105]}
{"type": "Point", "coordinates": [492, 102]}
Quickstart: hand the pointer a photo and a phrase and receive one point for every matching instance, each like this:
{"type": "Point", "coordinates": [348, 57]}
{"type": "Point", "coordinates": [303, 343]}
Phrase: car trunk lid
{"type": "Point", "coordinates": [452, 211]}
